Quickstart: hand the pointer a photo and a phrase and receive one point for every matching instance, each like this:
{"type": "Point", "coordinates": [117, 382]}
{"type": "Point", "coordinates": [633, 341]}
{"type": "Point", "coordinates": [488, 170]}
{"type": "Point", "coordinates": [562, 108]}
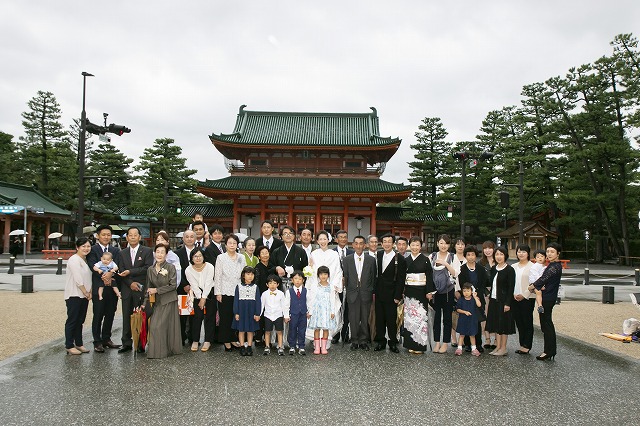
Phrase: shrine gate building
{"type": "Point", "coordinates": [317, 170]}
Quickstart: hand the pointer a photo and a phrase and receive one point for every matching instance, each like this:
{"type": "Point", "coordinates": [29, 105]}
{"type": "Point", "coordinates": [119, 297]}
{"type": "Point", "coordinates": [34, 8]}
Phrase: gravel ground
{"type": "Point", "coordinates": [39, 318]}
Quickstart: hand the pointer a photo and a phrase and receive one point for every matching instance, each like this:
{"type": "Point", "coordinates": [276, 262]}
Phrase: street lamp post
{"type": "Point", "coordinates": [463, 157]}
{"type": "Point", "coordinates": [81, 155]}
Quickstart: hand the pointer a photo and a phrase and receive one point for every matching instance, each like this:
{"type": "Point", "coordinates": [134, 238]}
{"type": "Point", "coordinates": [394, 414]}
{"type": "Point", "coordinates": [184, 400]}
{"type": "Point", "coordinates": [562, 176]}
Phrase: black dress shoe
{"type": "Point", "coordinates": [379, 347]}
{"type": "Point", "coordinates": [109, 344]}
{"type": "Point", "coordinates": [98, 349]}
{"type": "Point", "coordinates": [140, 350]}
{"type": "Point", "coordinates": [335, 340]}
{"type": "Point", "coordinates": [125, 349]}
{"type": "Point", "coordinates": [480, 349]}
{"type": "Point", "coordinates": [394, 349]}
{"type": "Point", "coordinates": [354, 346]}
{"type": "Point", "coordinates": [520, 352]}
{"type": "Point", "coordinates": [364, 347]}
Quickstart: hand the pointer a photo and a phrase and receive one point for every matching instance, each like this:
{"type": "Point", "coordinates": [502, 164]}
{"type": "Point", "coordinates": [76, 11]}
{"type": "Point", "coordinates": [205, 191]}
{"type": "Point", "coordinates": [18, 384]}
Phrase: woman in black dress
{"type": "Point", "coordinates": [550, 281]}
{"type": "Point", "coordinates": [499, 317]}
{"type": "Point", "coordinates": [417, 293]}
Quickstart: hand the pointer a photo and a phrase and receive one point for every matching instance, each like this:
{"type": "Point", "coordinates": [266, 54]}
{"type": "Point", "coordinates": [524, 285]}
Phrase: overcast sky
{"type": "Point", "coordinates": [182, 69]}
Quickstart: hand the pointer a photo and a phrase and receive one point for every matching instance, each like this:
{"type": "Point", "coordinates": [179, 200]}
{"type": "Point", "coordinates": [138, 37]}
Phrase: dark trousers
{"type": "Point", "coordinates": [128, 305]}
{"type": "Point", "coordinates": [76, 314]}
{"type": "Point", "coordinates": [386, 318]}
{"type": "Point", "coordinates": [523, 314]}
{"type": "Point", "coordinates": [345, 319]}
{"type": "Point", "coordinates": [297, 330]}
{"type": "Point", "coordinates": [209, 320]}
{"type": "Point", "coordinates": [547, 327]}
{"type": "Point", "coordinates": [225, 312]}
{"type": "Point", "coordinates": [103, 313]}
{"type": "Point", "coordinates": [359, 321]}
{"type": "Point", "coordinates": [443, 307]}
{"type": "Point", "coordinates": [184, 332]}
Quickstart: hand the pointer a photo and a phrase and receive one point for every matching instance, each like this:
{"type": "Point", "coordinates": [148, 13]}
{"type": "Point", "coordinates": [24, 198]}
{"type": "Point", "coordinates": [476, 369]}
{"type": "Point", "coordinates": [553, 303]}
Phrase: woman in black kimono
{"type": "Point", "coordinates": [417, 293]}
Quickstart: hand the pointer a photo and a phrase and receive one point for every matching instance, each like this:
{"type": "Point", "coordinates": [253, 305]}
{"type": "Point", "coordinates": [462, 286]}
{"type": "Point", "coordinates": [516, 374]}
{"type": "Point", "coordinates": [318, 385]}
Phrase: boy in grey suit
{"type": "Point", "coordinates": [359, 271]}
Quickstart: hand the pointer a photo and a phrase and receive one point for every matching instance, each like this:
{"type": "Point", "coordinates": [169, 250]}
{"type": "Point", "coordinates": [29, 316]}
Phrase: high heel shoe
{"type": "Point", "coordinates": [545, 357]}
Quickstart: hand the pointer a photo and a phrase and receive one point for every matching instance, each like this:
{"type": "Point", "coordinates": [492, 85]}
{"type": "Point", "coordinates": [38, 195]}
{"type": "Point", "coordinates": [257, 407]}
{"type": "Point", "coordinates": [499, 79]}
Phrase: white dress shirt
{"type": "Point", "coordinates": [274, 306]}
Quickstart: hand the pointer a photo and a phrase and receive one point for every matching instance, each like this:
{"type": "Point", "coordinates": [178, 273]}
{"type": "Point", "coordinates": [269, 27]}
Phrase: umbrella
{"type": "Point", "coordinates": [88, 229]}
{"type": "Point", "coordinates": [136, 326]}
{"type": "Point", "coordinates": [17, 232]}
{"type": "Point", "coordinates": [143, 330]}
{"type": "Point", "coordinates": [55, 235]}
{"type": "Point", "coordinates": [179, 234]}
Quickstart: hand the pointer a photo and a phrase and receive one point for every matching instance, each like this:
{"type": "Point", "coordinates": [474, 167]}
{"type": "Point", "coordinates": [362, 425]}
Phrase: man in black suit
{"type": "Point", "coordinates": [267, 239]}
{"type": "Point", "coordinates": [184, 253]}
{"type": "Point", "coordinates": [288, 255]}
{"type": "Point", "coordinates": [343, 251]}
{"type": "Point", "coordinates": [215, 247]}
{"type": "Point", "coordinates": [133, 265]}
{"type": "Point", "coordinates": [359, 272]}
{"type": "Point", "coordinates": [392, 273]}
{"type": "Point", "coordinates": [103, 310]}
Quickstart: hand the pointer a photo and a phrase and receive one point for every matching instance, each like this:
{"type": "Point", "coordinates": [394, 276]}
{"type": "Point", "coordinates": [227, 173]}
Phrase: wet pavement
{"type": "Point", "coordinates": [582, 386]}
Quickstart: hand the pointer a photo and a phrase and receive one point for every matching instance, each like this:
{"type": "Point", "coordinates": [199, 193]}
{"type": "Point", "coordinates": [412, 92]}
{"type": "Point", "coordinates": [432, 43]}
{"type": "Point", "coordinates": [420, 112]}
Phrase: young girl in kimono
{"type": "Point", "coordinates": [322, 311]}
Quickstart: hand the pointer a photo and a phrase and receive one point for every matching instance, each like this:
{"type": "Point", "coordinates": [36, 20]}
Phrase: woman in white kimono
{"type": "Point", "coordinates": [323, 256]}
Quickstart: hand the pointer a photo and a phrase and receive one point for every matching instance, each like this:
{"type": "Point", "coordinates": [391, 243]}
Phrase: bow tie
{"type": "Point", "coordinates": [272, 293]}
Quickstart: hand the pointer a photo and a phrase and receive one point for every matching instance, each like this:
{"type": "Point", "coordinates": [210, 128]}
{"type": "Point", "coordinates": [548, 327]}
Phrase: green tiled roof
{"type": "Point", "coordinates": [22, 195]}
{"type": "Point", "coordinates": [306, 129]}
{"type": "Point", "coordinates": [304, 185]}
{"type": "Point", "coordinates": [188, 210]}
{"type": "Point", "coordinates": [398, 214]}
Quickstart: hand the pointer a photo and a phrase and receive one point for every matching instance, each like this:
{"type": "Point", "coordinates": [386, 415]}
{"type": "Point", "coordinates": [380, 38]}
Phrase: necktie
{"type": "Point", "coordinates": [298, 291]}
{"type": "Point", "coordinates": [106, 249]}
{"type": "Point", "coordinates": [198, 244]}
{"type": "Point", "coordinates": [268, 244]}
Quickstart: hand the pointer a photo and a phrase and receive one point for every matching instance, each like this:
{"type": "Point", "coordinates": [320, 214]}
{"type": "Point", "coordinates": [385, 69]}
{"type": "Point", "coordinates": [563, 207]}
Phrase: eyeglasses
{"type": "Point", "coordinates": [287, 234]}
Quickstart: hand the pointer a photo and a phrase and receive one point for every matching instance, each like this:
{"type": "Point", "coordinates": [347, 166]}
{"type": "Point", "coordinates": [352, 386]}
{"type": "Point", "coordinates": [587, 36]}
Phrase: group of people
{"type": "Point", "coordinates": [305, 292]}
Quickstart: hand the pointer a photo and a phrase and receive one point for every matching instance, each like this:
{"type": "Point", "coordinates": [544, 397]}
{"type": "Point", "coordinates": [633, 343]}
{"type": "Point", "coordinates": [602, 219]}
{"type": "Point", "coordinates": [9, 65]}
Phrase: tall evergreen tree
{"type": "Point", "coordinates": [8, 159]}
{"type": "Point", "coordinates": [431, 172]}
{"type": "Point", "coordinates": [107, 160]}
{"type": "Point", "coordinates": [42, 131]}
{"type": "Point", "coordinates": [164, 173]}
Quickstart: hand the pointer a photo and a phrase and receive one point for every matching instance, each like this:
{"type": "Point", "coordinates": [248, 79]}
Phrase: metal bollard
{"type": "Point", "coordinates": [12, 265]}
{"type": "Point", "coordinates": [608, 294]}
{"type": "Point", "coordinates": [59, 271]}
{"type": "Point", "coordinates": [27, 284]}
{"type": "Point", "coordinates": [637, 277]}
{"type": "Point", "coordinates": [586, 276]}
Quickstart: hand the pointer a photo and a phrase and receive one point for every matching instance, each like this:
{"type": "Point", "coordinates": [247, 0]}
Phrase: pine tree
{"type": "Point", "coordinates": [107, 160]}
{"type": "Point", "coordinates": [164, 172]}
{"type": "Point", "coordinates": [8, 159]}
{"type": "Point", "coordinates": [42, 131]}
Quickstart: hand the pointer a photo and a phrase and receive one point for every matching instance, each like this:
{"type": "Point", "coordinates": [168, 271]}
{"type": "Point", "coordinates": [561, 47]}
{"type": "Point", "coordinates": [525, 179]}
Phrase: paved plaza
{"type": "Point", "coordinates": [583, 385]}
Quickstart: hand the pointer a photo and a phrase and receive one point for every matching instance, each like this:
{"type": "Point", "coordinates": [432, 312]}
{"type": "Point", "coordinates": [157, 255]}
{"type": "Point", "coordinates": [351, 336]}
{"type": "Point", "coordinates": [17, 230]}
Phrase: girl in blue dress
{"type": "Point", "coordinates": [322, 318]}
{"type": "Point", "coordinates": [467, 308]}
{"type": "Point", "coordinates": [246, 310]}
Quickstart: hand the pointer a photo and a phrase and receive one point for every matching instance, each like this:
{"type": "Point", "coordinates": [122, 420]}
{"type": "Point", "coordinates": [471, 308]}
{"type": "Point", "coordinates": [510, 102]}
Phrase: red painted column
{"type": "Point", "coordinates": [373, 219]}
{"type": "Point", "coordinates": [47, 231]}
{"type": "Point", "coordinates": [7, 229]}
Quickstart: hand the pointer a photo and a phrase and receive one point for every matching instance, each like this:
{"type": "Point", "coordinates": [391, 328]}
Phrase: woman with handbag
{"type": "Point", "coordinates": [444, 298]}
{"type": "Point", "coordinates": [499, 316]}
{"type": "Point", "coordinates": [164, 325]}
